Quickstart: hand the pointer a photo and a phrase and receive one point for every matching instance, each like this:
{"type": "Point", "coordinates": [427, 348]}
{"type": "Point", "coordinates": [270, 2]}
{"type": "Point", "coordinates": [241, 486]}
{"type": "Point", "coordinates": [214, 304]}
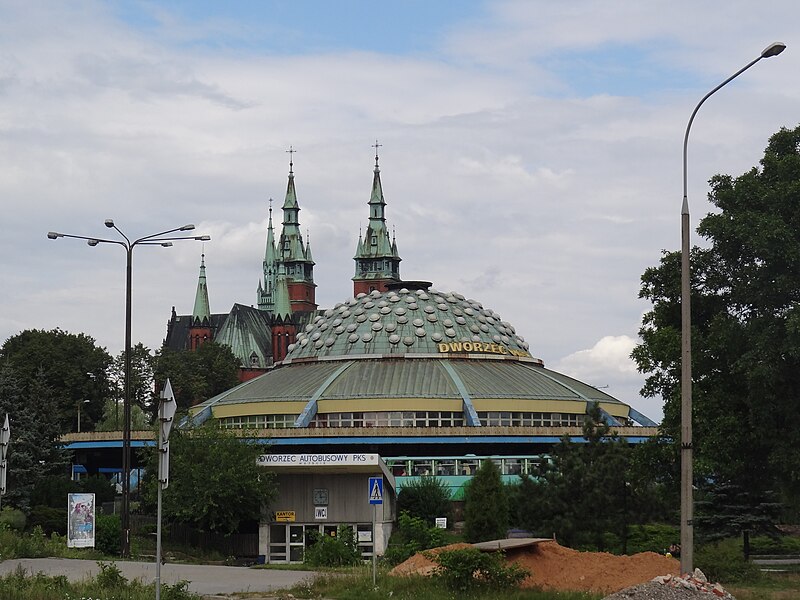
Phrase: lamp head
{"type": "Point", "coordinates": [203, 238]}
{"type": "Point", "coordinates": [188, 227]}
{"type": "Point", "coordinates": [92, 242]}
{"type": "Point", "coordinates": [773, 49]}
{"type": "Point", "coordinates": [52, 235]}
{"type": "Point", "coordinates": [109, 223]}
{"type": "Point", "coordinates": [166, 244]}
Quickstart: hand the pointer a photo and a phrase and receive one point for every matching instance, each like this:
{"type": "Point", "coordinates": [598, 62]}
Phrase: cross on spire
{"type": "Point", "coordinates": [291, 151]}
{"type": "Point", "coordinates": [376, 145]}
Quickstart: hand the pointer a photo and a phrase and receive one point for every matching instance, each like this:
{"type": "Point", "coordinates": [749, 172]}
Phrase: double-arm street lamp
{"type": "Point", "coordinates": [162, 238]}
{"type": "Point", "coordinates": [687, 503]}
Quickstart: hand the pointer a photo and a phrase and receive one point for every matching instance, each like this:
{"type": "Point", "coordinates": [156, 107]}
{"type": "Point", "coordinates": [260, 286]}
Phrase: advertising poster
{"type": "Point", "coordinates": [80, 521]}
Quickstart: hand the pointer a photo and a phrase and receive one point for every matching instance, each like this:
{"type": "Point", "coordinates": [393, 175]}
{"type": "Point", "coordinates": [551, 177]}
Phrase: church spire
{"type": "Point", "coordinates": [266, 287]}
{"type": "Point", "coordinates": [201, 315]}
{"type": "Point", "coordinates": [292, 252]}
{"type": "Point", "coordinates": [200, 327]}
{"type": "Point", "coordinates": [377, 259]}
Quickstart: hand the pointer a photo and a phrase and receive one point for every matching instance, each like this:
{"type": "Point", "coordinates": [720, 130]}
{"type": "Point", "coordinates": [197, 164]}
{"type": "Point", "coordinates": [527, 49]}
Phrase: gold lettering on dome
{"type": "Point", "coordinates": [480, 347]}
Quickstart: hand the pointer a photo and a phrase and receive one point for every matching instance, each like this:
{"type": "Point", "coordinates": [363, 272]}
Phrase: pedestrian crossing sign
{"type": "Point", "coordinates": [376, 490]}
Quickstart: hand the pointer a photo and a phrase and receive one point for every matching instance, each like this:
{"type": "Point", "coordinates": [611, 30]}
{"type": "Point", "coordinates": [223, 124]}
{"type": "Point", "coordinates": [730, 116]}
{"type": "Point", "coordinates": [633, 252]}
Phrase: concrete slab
{"type": "Point", "coordinates": [509, 543]}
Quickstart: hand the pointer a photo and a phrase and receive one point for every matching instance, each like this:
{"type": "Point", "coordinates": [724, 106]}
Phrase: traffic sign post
{"type": "Point", "coordinates": [5, 436]}
{"type": "Point", "coordinates": [375, 497]}
{"type": "Point", "coordinates": [166, 414]}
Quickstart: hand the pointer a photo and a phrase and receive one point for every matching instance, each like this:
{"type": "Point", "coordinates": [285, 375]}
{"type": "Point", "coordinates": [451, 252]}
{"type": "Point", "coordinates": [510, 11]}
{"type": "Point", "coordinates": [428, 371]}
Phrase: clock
{"type": "Point", "coordinates": [320, 496]}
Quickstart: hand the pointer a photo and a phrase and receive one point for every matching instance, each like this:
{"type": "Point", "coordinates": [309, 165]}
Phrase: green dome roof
{"type": "Point", "coordinates": [407, 321]}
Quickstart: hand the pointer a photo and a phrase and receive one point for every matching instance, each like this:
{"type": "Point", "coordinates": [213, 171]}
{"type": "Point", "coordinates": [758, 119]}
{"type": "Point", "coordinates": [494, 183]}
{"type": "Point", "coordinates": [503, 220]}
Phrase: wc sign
{"type": "Point", "coordinates": [376, 490]}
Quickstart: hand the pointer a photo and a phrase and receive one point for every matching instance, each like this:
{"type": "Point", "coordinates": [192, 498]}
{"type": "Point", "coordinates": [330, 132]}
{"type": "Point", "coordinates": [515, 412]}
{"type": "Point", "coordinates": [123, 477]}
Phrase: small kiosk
{"type": "Point", "coordinates": [320, 492]}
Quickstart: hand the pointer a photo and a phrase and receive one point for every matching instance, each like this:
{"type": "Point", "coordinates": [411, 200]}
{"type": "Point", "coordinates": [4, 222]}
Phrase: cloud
{"type": "Point", "coordinates": [531, 160]}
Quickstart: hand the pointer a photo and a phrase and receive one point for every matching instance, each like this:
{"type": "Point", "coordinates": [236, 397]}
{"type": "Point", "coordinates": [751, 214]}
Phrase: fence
{"type": "Point", "coordinates": [237, 544]}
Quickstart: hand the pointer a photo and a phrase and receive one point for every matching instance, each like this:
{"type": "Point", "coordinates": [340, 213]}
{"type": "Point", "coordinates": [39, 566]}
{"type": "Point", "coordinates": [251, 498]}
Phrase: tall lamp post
{"type": "Point", "coordinates": [687, 503]}
{"type": "Point", "coordinates": [162, 238]}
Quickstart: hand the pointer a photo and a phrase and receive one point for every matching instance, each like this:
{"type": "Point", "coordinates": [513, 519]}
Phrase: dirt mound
{"type": "Point", "coordinates": [419, 564]}
{"type": "Point", "coordinates": [555, 567]}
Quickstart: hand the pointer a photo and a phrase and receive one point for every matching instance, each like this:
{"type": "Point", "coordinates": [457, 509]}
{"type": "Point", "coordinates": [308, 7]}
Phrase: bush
{"type": "Point", "coordinates": [12, 518]}
{"type": "Point", "coordinates": [653, 537]}
{"type": "Point", "coordinates": [110, 577]}
{"type": "Point", "coordinates": [108, 532]}
{"type": "Point", "coordinates": [411, 535]}
{"type": "Point", "coordinates": [723, 561]}
{"type": "Point", "coordinates": [467, 569]}
{"type": "Point", "coordinates": [334, 551]}
{"type": "Point", "coordinates": [426, 498]}
{"type": "Point", "coordinates": [49, 519]}
{"type": "Point", "coordinates": [782, 544]}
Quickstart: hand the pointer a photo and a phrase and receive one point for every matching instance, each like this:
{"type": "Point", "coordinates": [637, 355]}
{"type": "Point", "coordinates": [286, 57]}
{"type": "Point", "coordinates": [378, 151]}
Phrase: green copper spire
{"type": "Point", "coordinates": [201, 315]}
{"type": "Point", "coordinates": [291, 250]}
{"type": "Point", "coordinates": [377, 258]}
{"type": "Point", "coordinates": [266, 287]}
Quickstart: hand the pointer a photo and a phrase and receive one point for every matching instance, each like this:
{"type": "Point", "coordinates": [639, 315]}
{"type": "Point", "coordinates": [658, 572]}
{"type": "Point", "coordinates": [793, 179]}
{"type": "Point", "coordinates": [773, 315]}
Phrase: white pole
{"type": "Point", "coordinates": [158, 517]}
{"type": "Point", "coordinates": [374, 544]}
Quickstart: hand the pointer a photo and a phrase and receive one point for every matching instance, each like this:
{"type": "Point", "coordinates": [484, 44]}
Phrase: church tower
{"type": "Point", "coordinates": [200, 329]}
{"type": "Point", "coordinates": [294, 255]}
{"type": "Point", "coordinates": [377, 259]}
{"type": "Point", "coordinates": [283, 327]}
{"type": "Point", "coordinates": [266, 287]}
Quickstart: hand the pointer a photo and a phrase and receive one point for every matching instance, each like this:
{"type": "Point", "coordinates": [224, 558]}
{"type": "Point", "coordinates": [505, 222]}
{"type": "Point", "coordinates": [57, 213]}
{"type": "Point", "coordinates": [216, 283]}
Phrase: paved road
{"type": "Point", "coordinates": [203, 579]}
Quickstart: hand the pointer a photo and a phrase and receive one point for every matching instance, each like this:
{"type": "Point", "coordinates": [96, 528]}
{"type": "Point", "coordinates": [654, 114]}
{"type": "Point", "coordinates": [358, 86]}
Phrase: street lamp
{"type": "Point", "coordinates": [79, 413]}
{"type": "Point", "coordinates": [687, 503]}
{"type": "Point", "coordinates": [162, 238]}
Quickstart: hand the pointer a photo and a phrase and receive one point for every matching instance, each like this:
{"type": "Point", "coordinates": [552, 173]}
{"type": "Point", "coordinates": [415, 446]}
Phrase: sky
{"type": "Point", "coordinates": [531, 152]}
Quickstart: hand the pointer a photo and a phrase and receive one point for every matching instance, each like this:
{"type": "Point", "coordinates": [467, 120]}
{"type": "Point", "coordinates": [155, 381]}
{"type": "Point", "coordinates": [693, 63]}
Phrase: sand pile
{"type": "Point", "coordinates": [555, 567]}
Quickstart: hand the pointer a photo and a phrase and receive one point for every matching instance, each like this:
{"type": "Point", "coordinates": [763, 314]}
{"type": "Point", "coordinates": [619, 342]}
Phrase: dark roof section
{"type": "Point", "coordinates": [178, 330]}
{"type": "Point", "coordinates": [247, 332]}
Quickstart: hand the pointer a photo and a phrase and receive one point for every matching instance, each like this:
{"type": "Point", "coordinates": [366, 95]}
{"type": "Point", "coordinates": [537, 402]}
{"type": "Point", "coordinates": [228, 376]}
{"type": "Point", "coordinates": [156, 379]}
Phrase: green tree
{"type": "Point", "coordinates": [214, 481]}
{"type": "Point", "coordinates": [745, 329]}
{"type": "Point", "coordinates": [485, 505]}
{"type": "Point", "coordinates": [141, 381]}
{"type": "Point", "coordinates": [590, 492]}
{"type": "Point", "coordinates": [113, 411]}
{"type": "Point", "coordinates": [197, 375]}
{"type": "Point", "coordinates": [71, 364]}
{"type": "Point", "coordinates": [426, 498]}
{"type": "Point", "coordinates": [34, 451]}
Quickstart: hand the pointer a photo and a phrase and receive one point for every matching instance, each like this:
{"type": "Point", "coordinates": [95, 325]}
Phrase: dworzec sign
{"type": "Point", "coordinates": [317, 460]}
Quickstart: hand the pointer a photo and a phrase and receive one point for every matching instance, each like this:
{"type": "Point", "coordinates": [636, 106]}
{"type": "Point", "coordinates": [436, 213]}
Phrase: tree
{"type": "Point", "coordinates": [34, 451]}
{"type": "Point", "coordinates": [141, 380]}
{"type": "Point", "coordinates": [590, 492]}
{"type": "Point", "coordinates": [197, 375]}
{"type": "Point", "coordinates": [70, 364]}
{"type": "Point", "coordinates": [745, 329]}
{"type": "Point", "coordinates": [485, 505]}
{"type": "Point", "coordinates": [113, 414]}
{"type": "Point", "coordinates": [214, 481]}
{"type": "Point", "coordinates": [426, 498]}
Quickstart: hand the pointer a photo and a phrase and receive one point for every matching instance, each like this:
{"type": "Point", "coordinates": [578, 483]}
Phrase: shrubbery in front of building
{"type": "Point", "coordinates": [411, 535]}
{"type": "Point", "coordinates": [467, 569]}
{"type": "Point", "coordinates": [333, 551]}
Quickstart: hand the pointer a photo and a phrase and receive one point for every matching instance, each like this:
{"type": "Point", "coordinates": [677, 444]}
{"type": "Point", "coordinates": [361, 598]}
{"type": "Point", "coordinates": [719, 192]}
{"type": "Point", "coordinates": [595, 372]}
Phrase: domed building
{"type": "Point", "coordinates": [400, 381]}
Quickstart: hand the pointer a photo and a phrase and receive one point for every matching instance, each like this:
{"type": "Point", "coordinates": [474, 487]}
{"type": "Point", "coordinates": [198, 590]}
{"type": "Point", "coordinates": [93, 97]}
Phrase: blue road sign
{"type": "Point", "coordinates": [376, 490]}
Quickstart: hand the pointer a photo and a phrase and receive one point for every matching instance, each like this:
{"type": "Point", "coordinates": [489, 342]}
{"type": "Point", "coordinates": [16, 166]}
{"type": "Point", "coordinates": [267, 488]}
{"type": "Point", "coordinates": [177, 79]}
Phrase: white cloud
{"type": "Point", "coordinates": [506, 180]}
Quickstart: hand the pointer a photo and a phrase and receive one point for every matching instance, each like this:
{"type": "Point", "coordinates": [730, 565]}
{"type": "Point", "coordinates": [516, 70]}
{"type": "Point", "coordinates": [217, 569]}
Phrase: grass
{"type": "Point", "coordinates": [109, 584]}
{"type": "Point", "coordinates": [357, 585]}
{"type": "Point", "coordinates": [771, 586]}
